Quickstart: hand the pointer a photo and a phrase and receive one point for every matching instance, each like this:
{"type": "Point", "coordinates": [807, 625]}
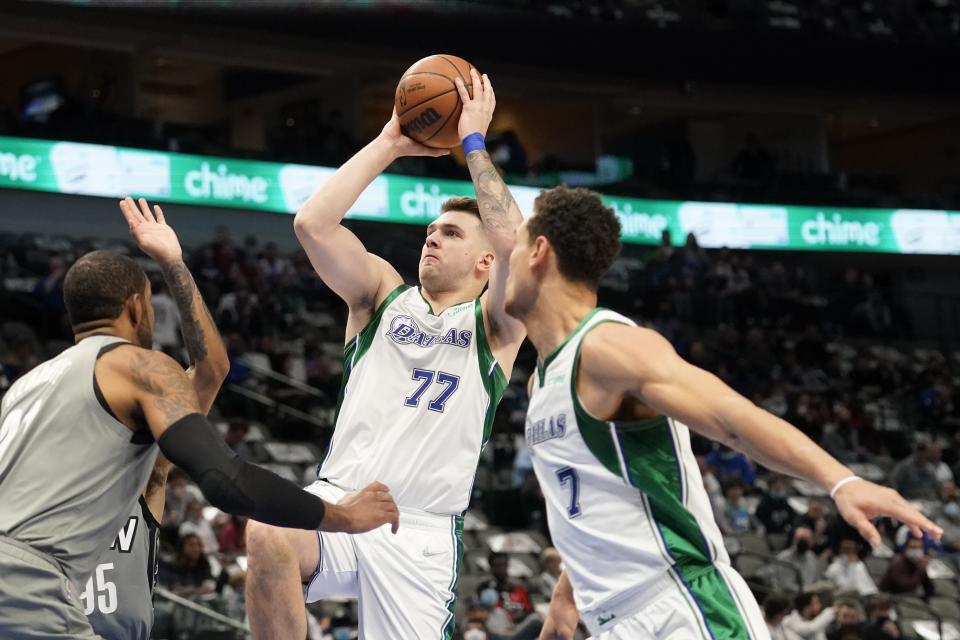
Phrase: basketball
{"type": "Point", "coordinates": [427, 101]}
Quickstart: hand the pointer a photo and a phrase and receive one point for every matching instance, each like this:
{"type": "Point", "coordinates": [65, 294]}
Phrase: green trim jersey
{"type": "Point", "coordinates": [626, 506]}
{"type": "Point", "coordinates": [416, 404]}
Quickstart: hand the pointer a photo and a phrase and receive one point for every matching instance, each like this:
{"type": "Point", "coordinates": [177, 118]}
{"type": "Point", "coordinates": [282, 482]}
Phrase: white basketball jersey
{"type": "Point", "coordinates": [416, 404]}
{"type": "Point", "coordinates": [625, 501]}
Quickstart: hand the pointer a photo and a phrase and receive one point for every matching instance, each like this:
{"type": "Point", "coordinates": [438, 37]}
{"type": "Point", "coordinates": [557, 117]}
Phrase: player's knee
{"type": "Point", "coordinates": [267, 544]}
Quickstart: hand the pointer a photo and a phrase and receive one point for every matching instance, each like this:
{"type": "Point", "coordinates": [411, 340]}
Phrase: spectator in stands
{"type": "Point", "coordinates": [816, 520]}
{"type": "Point", "coordinates": [166, 331]}
{"type": "Point", "coordinates": [775, 609]}
{"type": "Point", "coordinates": [797, 567]}
{"type": "Point", "coordinates": [235, 437]}
{"type": "Point", "coordinates": [809, 620]}
{"type": "Point", "coordinates": [949, 519]}
{"type": "Point", "coordinates": [512, 597]}
{"type": "Point", "coordinates": [542, 587]}
{"type": "Point", "coordinates": [22, 358]}
{"type": "Point", "coordinates": [727, 463]}
{"type": "Point", "coordinates": [848, 573]}
{"type": "Point", "coordinates": [230, 537]}
{"type": "Point", "coordinates": [196, 524]}
{"type": "Point", "coordinates": [191, 573]}
{"type": "Point", "coordinates": [914, 477]}
{"type": "Point", "coordinates": [880, 624]}
{"type": "Point", "coordinates": [941, 470]}
{"type": "Point", "coordinates": [48, 293]}
{"type": "Point", "coordinates": [734, 517]}
{"type": "Point", "coordinates": [849, 622]}
{"type": "Point", "coordinates": [507, 153]}
{"type": "Point", "coordinates": [774, 512]}
{"type": "Point", "coordinates": [180, 493]}
{"type": "Point", "coordinates": [907, 572]}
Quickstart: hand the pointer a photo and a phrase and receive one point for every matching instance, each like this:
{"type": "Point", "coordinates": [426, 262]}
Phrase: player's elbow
{"type": "Point", "coordinates": [311, 223]}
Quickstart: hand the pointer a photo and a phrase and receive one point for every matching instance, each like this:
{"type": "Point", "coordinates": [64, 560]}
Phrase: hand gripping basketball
{"type": "Point", "coordinates": [477, 111]}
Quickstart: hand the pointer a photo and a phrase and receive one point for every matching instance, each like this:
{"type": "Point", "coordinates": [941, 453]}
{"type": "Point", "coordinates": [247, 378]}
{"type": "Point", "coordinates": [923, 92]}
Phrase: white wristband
{"type": "Point", "coordinates": [840, 483]}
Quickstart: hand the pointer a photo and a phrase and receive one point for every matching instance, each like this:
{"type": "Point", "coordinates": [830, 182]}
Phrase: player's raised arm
{"type": "Point", "coordinates": [638, 362]}
{"type": "Point", "coordinates": [338, 256]}
{"type": "Point", "coordinates": [151, 386]}
{"type": "Point", "coordinates": [209, 364]}
{"type": "Point", "coordinates": [498, 210]}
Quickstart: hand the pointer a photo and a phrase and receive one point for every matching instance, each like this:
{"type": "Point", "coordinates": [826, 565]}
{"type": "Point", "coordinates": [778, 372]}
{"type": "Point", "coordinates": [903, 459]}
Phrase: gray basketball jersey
{"type": "Point", "coordinates": [69, 471]}
{"type": "Point", "coordinates": [118, 597]}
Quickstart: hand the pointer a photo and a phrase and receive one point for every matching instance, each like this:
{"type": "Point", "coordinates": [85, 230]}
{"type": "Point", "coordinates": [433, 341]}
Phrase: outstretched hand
{"type": "Point", "coordinates": [861, 501]}
{"type": "Point", "coordinates": [150, 230]}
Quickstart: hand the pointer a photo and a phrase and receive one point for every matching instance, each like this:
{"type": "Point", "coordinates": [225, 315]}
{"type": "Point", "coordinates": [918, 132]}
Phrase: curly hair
{"type": "Point", "coordinates": [584, 232]}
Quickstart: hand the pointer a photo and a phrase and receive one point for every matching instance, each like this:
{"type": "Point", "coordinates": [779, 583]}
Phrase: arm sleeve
{"type": "Point", "coordinates": [232, 484]}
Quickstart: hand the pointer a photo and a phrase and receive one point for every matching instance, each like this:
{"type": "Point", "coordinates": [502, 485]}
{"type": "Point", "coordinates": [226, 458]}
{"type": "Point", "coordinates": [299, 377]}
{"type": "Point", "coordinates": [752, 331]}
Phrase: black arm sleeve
{"type": "Point", "coordinates": [232, 484]}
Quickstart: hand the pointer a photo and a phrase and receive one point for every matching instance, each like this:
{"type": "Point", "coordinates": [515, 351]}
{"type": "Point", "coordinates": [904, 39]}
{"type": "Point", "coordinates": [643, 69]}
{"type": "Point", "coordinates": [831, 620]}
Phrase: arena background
{"type": "Point", "coordinates": [810, 149]}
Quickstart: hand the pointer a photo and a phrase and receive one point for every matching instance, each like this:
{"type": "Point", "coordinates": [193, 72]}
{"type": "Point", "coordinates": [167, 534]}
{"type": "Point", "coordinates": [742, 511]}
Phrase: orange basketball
{"type": "Point", "coordinates": [428, 103]}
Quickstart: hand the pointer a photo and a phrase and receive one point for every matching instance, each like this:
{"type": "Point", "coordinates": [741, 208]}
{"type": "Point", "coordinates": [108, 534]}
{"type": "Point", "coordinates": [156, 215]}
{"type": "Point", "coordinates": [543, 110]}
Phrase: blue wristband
{"type": "Point", "coordinates": [474, 142]}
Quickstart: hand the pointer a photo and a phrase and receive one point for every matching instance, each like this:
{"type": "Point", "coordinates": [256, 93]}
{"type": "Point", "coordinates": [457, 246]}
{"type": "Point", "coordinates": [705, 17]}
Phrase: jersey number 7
{"type": "Point", "coordinates": [568, 475]}
{"type": "Point", "coordinates": [426, 378]}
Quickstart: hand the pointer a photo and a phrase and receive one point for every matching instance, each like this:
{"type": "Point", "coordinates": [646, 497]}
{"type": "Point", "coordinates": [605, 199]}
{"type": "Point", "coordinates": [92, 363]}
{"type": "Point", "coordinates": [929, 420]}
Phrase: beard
{"type": "Point", "coordinates": [144, 332]}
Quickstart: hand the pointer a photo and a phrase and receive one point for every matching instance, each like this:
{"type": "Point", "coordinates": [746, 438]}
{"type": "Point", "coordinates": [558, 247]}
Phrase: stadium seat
{"type": "Point", "coordinates": [753, 542]}
{"type": "Point", "coordinates": [946, 587]}
{"type": "Point", "coordinates": [750, 564]}
{"type": "Point", "coordinates": [946, 607]}
{"type": "Point", "coordinates": [777, 541]}
{"type": "Point", "coordinates": [911, 607]}
{"type": "Point", "coordinates": [876, 566]}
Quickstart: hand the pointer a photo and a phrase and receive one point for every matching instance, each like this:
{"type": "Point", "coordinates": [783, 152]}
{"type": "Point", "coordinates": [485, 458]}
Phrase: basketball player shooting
{"type": "Point", "coordinates": [424, 369]}
{"type": "Point", "coordinates": [79, 435]}
{"type": "Point", "coordinates": [609, 402]}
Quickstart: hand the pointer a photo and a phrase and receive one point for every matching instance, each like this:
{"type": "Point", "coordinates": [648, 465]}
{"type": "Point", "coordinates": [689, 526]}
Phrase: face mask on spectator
{"type": "Point", "coordinates": [474, 634]}
{"type": "Point", "coordinates": [341, 633]}
{"type": "Point", "coordinates": [489, 598]}
{"type": "Point", "coordinates": [916, 554]}
{"type": "Point", "coordinates": [952, 510]}
{"type": "Point", "coordinates": [803, 545]}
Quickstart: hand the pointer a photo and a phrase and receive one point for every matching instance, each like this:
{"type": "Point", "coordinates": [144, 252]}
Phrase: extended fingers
{"type": "Point", "coordinates": [130, 212]}
{"type": "Point", "coordinates": [462, 90]}
{"type": "Point", "coordinates": [145, 209]}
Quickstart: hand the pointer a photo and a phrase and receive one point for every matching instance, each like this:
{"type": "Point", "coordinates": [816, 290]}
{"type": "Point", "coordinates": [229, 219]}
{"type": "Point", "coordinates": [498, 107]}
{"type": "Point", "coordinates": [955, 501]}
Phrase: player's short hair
{"type": "Point", "coordinates": [98, 284]}
{"type": "Point", "coordinates": [465, 204]}
{"type": "Point", "coordinates": [584, 232]}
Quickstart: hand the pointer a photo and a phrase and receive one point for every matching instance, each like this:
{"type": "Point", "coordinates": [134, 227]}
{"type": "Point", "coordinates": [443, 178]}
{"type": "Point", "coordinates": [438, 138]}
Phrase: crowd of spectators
{"type": "Point", "coordinates": [822, 350]}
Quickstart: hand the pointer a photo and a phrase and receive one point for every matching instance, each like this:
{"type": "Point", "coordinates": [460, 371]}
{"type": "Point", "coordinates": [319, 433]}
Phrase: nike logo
{"type": "Point", "coordinates": [602, 620]}
{"type": "Point", "coordinates": [427, 553]}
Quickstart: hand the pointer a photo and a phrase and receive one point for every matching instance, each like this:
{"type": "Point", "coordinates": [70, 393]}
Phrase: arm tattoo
{"type": "Point", "coordinates": [498, 209]}
{"type": "Point", "coordinates": [184, 291]}
{"type": "Point", "coordinates": [161, 377]}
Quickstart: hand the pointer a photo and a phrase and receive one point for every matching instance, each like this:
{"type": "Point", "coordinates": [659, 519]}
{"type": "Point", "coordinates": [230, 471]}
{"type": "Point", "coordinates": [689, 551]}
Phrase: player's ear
{"type": "Point", "coordinates": [539, 250]}
{"type": "Point", "coordinates": [134, 308]}
{"type": "Point", "coordinates": [485, 263]}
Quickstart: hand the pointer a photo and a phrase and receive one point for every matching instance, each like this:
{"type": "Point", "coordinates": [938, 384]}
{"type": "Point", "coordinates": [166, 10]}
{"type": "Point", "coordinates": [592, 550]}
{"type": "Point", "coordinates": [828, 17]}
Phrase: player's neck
{"type": "Point", "coordinates": [556, 314]}
{"type": "Point", "coordinates": [101, 328]}
{"type": "Point", "coordinates": [440, 301]}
